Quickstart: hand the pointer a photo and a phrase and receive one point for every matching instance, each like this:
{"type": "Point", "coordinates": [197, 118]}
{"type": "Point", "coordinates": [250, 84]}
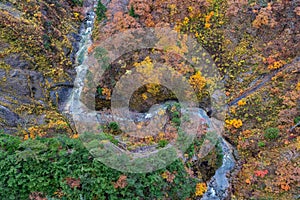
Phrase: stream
{"type": "Point", "coordinates": [218, 185]}
{"type": "Point", "coordinates": [85, 33]}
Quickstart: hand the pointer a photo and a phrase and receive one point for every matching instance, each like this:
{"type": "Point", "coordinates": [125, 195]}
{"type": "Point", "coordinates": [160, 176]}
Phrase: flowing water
{"type": "Point", "coordinates": [86, 41]}
{"type": "Point", "coordinates": [218, 185]}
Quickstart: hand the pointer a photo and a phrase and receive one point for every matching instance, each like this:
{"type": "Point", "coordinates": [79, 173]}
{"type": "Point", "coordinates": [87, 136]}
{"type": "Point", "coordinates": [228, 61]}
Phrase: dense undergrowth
{"type": "Point", "coordinates": [62, 168]}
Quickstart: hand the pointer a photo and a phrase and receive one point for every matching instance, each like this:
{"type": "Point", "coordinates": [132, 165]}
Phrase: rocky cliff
{"type": "Point", "coordinates": [38, 42]}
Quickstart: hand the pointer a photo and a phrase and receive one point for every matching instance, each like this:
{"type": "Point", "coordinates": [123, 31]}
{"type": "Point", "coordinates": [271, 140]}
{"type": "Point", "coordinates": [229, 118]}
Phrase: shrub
{"type": "Point", "coordinates": [113, 126]}
{"type": "Point", "coordinates": [162, 143]}
{"type": "Point", "coordinates": [100, 11]}
{"type": "Point", "coordinates": [62, 168]}
{"type": "Point", "coordinates": [174, 113]}
{"type": "Point", "coordinates": [132, 12]}
{"type": "Point", "coordinates": [297, 119]}
{"type": "Point", "coordinates": [77, 2]}
{"type": "Point", "coordinates": [261, 144]}
{"type": "Point", "coordinates": [271, 133]}
{"type": "Point", "coordinates": [176, 121]}
{"type": "Point", "coordinates": [99, 91]}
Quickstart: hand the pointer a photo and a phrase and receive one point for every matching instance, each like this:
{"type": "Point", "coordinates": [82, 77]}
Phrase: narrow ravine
{"type": "Point", "coordinates": [95, 100]}
{"type": "Point", "coordinates": [85, 33]}
{"type": "Point", "coordinates": [219, 184]}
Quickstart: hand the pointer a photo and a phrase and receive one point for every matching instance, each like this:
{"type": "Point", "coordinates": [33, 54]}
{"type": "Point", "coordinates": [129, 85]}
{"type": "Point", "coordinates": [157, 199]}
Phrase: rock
{"type": "Point", "coordinates": [10, 118]}
{"type": "Point", "coordinates": [88, 3]}
{"type": "Point", "coordinates": [17, 83]}
{"type": "Point", "coordinates": [23, 83]}
{"type": "Point", "coordinates": [218, 103]}
{"type": "Point", "coordinates": [23, 74]}
{"type": "Point", "coordinates": [2, 73]}
{"type": "Point", "coordinates": [16, 61]}
{"type": "Point", "coordinates": [3, 46]}
{"type": "Point", "coordinates": [75, 38]}
{"type": "Point", "coordinates": [59, 96]}
{"type": "Point", "coordinates": [36, 84]}
{"type": "Point", "coordinates": [66, 51]}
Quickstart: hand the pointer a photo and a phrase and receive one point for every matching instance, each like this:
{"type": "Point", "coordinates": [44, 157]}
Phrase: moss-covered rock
{"type": "Point", "coordinates": [36, 40]}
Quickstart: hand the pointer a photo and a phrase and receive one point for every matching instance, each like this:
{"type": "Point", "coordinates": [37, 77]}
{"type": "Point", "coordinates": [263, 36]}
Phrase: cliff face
{"type": "Point", "coordinates": [38, 42]}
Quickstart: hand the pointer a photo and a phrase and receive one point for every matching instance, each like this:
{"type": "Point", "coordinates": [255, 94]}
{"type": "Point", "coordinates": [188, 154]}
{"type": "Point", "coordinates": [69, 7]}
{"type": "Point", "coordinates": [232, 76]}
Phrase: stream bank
{"type": "Point", "coordinates": [218, 185]}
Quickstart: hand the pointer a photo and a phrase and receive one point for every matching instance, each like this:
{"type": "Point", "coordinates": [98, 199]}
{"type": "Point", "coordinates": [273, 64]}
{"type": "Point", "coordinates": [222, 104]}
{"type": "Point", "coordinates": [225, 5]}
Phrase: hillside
{"type": "Point", "coordinates": [247, 90]}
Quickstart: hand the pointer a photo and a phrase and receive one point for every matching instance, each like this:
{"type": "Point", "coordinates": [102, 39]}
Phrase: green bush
{"type": "Point", "coordinates": [271, 133]}
{"type": "Point", "coordinates": [297, 119]}
{"type": "Point", "coordinates": [99, 91]}
{"type": "Point", "coordinates": [162, 143]}
{"type": "Point", "coordinates": [78, 2]}
{"type": "Point", "coordinates": [44, 164]}
{"type": "Point", "coordinates": [100, 11]}
{"type": "Point", "coordinates": [113, 126]}
{"type": "Point", "coordinates": [132, 12]}
{"type": "Point", "coordinates": [174, 113]}
{"type": "Point", "coordinates": [261, 144]}
{"type": "Point", "coordinates": [176, 121]}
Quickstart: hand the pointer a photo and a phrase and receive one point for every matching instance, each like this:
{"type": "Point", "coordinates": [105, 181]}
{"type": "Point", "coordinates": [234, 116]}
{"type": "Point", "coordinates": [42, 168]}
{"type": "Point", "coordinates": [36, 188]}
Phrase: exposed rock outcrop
{"type": "Point", "coordinates": [38, 43]}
